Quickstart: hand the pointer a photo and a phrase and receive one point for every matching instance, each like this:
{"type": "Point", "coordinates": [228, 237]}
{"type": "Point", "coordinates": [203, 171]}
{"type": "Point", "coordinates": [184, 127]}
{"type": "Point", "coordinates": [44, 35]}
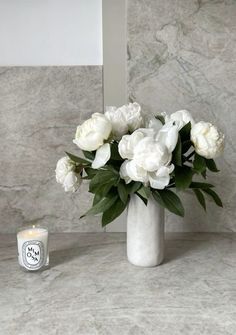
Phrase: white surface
{"type": "Point", "coordinates": [145, 232]}
{"type": "Point", "coordinates": [50, 32]}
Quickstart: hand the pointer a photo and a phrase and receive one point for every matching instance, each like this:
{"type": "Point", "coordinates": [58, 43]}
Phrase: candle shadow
{"type": "Point", "coordinates": [67, 247]}
{"type": "Point", "coordinates": [61, 256]}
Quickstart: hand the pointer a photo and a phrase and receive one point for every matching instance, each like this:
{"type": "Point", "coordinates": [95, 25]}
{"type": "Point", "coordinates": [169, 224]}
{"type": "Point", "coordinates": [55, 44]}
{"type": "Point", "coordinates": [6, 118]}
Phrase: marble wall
{"type": "Point", "coordinates": [40, 108]}
{"type": "Point", "coordinates": [182, 55]}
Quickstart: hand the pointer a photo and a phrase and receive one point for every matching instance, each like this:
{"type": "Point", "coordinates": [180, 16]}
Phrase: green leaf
{"type": "Point", "coordinates": [186, 145]}
{"type": "Point", "coordinates": [204, 175]}
{"type": "Point", "coordinates": [214, 196]}
{"type": "Point", "coordinates": [169, 200]}
{"type": "Point", "coordinates": [133, 187]}
{"type": "Point", "coordinates": [113, 212]}
{"type": "Point", "coordinates": [145, 192]}
{"type": "Point", "coordinates": [90, 172]}
{"type": "Point", "coordinates": [97, 197]}
{"type": "Point", "coordinates": [78, 159]}
{"type": "Point", "coordinates": [103, 177]}
{"type": "Point", "coordinates": [185, 132]}
{"type": "Point", "coordinates": [104, 189]}
{"type": "Point", "coordinates": [89, 154]}
{"type": "Point", "coordinates": [160, 118]}
{"type": "Point", "coordinates": [158, 198]}
{"type": "Point", "coordinates": [200, 185]}
{"type": "Point", "coordinates": [122, 192]}
{"type": "Point", "coordinates": [211, 165]}
{"type": "Point", "coordinates": [102, 205]}
{"type": "Point", "coordinates": [183, 176]}
{"type": "Point", "coordinates": [199, 163]}
{"type": "Point", "coordinates": [177, 153]}
{"type": "Point", "coordinates": [144, 199]}
{"type": "Point", "coordinates": [200, 198]}
{"type": "Point", "coordinates": [115, 152]}
{"type": "Point", "coordinates": [111, 169]}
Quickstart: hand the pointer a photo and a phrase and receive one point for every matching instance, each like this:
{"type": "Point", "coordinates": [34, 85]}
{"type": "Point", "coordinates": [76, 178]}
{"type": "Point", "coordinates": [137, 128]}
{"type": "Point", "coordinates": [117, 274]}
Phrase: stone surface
{"type": "Point", "coordinates": [91, 288]}
{"type": "Point", "coordinates": [40, 108]}
{"type": "Point", "coordinates": [182, 55]}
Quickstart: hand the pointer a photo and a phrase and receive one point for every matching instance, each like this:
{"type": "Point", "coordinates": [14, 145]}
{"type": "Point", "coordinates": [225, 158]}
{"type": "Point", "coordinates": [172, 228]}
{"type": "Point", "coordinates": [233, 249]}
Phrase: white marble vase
{"type": "Point", "coordinates": [145, 232]}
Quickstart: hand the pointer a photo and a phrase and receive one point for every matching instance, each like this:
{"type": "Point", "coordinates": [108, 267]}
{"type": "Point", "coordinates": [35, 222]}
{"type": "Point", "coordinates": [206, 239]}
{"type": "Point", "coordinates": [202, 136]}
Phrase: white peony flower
{"type": "Point", "coordinates": [123, 119]}
{"type": "Point", "coordinates": [129, 142]}
{"type": "Point", "coordinates": [66, 175]}
{"type": "Point", "coordinates": [151, 155]}
{"type": "Point", "coordinates": [92, 133]}
{"type": "Point", "coordinates": [64, 166]}
{"type": "Point", "coordinates": [181, 118]}
{"type": "Point", "coordinates": [207, 139]}
{"type": "Point", "coordinates": [168, 135]}
{"type": "Point", "coordinates": [103, 155]}
{"type": "Point", "coordinates": [148, 159]}
{"type": "Point", "coordinates": [72, 182]}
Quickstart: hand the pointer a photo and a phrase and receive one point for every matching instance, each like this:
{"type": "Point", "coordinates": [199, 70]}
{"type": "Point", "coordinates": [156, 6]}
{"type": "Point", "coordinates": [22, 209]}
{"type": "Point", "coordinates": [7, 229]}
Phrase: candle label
{"type": "Point", "coordinates": [33, 255]}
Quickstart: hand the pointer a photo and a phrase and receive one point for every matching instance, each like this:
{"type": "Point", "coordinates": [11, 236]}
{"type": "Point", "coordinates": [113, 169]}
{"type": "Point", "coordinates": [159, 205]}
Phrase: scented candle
{"type": "Point", "coordinates": [32, 245]}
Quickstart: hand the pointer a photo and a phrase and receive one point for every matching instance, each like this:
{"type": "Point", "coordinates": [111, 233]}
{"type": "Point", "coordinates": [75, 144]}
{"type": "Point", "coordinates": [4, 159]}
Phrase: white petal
{"type": "Point", "coordinates": [103, 155]}
{"type": "Point", "coordinates": [118, 122]}
{"type": "Point", "coordinates": [161, 178]}
{"type": "Point", "coordinates": [135, 172]}
{"type": "Point", "coordinates": [154, 124]}
{"type": "Point", "coordinates": [128, 143]}
{"type": "Point", "coordinates": [181, 118]}
{"type": "Point", "coordinates": [72, 182]}
{"type": "Point", "coordinates": [90, 142]}
{"type": "Point", "coordinates": [151, 155]}
{"type": "Point", "coordinates": [168, 136]}
{"type": "Point", "coordinates": [123, 172]}
{"type": "Point", "coordinates": [64, 166]}
{"type": "Point", "coordinates": [90, 135]}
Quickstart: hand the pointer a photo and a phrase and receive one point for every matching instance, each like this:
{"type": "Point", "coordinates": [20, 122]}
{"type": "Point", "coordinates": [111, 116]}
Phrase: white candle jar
{"type": "Point", "coordinates": [32, 243]}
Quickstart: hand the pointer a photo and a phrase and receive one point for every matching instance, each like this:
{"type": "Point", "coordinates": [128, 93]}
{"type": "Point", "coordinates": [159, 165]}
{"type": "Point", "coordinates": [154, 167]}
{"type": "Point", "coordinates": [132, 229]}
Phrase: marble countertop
{"type": "Point", "coordinates": [90, 288]}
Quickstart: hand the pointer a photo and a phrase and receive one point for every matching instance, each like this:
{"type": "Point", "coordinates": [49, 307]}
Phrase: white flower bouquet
{"type": "Point", "coordinates": [128, 153]}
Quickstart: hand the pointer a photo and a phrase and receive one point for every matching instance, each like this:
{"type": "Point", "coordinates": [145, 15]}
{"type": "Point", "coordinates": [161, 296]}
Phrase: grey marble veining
{"type": "Point", "coordinates": [40, 108]}
{"type": "Point", "coordinates": [182, 55]}
{"type": "Point", "coordinates": [91, 289]}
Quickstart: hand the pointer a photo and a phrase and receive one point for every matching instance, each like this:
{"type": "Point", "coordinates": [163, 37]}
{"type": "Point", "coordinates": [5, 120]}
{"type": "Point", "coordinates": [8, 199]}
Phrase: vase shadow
{"type": "Point", "coordinates": [179, 248]}
{"type": "Point", "coordinates": [175, 248]}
